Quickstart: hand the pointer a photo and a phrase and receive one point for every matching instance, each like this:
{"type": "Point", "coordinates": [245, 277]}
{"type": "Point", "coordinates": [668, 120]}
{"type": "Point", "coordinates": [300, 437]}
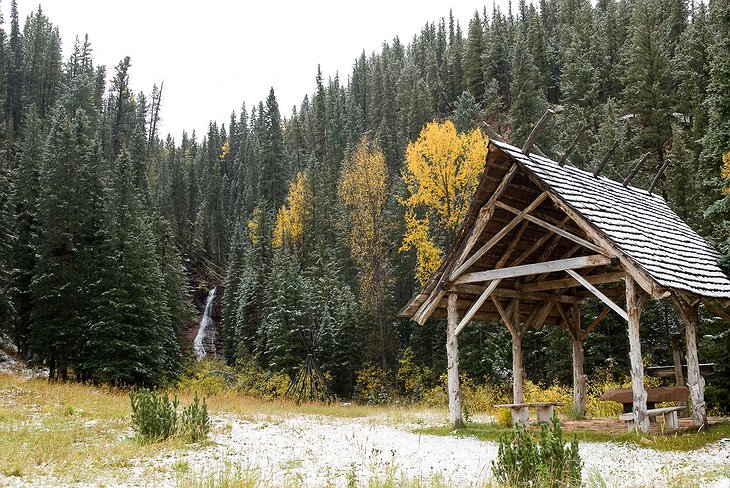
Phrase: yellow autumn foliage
{"type": "Point", "coordinates": [253, 225]}
{"type": "Point", "coordinates": [363, 192]}
{"type": "Point", "coordinates": [291, 217]}
{"type": "Point", "coordinates": [725, 172]}
{"type": "Point", "coordinates": [442, 172]}
{"type": "Point", "coordinates": [224, 151]}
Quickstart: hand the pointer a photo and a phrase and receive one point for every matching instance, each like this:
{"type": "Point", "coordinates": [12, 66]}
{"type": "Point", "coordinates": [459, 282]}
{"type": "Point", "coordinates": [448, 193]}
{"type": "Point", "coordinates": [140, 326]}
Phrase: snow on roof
{"type": "Point", "coordinates": [639, 223]}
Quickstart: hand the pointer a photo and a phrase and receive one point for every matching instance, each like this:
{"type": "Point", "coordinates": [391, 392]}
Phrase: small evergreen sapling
{"type": "Point", "coordinates": [523, 461]}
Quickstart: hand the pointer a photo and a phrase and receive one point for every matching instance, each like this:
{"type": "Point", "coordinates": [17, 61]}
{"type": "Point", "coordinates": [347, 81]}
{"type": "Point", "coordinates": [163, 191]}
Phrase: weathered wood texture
{"type": "Point", "coordinates": [452, 353]}
{"type": "Point", "coordinates": [679, 370]}
{"type": "Point", "coordinates": [634, 304]}
{"type": "Point", "coordinates": [695, 381]}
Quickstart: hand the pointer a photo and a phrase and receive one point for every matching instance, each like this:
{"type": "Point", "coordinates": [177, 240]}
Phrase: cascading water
{"type": "Point", "coordinates": [206, 331]}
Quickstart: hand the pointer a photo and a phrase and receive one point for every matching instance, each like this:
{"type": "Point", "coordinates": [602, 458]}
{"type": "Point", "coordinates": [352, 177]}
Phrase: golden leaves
{"type": "Point", "coordinates": [725, 172]}
{"type": "Point", "coordinates": [291, 217]}
{"type": "Point", "coordinates": [443, 169]}
{"type": "Point", "coordinates": [363, 192]}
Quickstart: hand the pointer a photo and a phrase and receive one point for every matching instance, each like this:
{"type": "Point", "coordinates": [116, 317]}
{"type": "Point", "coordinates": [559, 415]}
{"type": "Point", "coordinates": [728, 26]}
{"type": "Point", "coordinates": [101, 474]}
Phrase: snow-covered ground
{"type": "Point", "coordinates": [323, 451]}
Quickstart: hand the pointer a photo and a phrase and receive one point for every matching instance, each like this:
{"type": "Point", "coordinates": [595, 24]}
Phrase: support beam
{"type": "Point", "coordinates": [658, 175]}
{"type": "Point", "coordinates": [537, 268]}
{"type": "Point", "coordinates": [452, 354]}
{"type": "Point", "coordinates": [717, 310]}
{"type": "Point", "coordinates": [635, 170]}
{"type": "Point", "coordinates": [537, 245]}
{"type": "Point", "coordinates": [557, 230]}
{"type": "Point", "coordinates": [428, 306]}
{"type": "Point", "coordinates": [497, 237]}
{"type": "Point", "coordinates": [634, 303]}
{"type": "Point", "coordinates": [641, 277]}
{"type": "Point", "coordinates": [595, 323]}
{"type": "Point", "coordinates": [579, 377]}
{"type": "Point", "coordinates": [695, 381]}
{"type": "Point", "coordinates": [539, 315]}
{"type": "Point", "coordinates": [510, 293]}
{"type": "Point", "coordinates": [598, 293]}
{"type": "Point", "coordinates": [476, 306]}
{"type": "Point", "coordinates": [598, 279]}
{"type": "Point", "coordinates": [536, 131]}
{"type": "Point", "coordinates": [679, 371]}
{"type": "Point", "coordinates": [564, 157]}
{"type": "Point", "coordinates": [605, 159]}
{"type": "Point", "coordinates": [485, 214]}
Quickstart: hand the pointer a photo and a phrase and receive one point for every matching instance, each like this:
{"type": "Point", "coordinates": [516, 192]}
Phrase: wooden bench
{"type": "Point", "coordinates": [521, 411]}
{"type": "Point", "coordinates": [669, 414]}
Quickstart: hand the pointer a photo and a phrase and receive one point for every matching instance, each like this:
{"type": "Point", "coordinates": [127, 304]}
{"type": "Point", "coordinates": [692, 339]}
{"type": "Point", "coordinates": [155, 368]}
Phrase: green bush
{"type": "Point", "coordinates": [154, 417]}
{"type": "Point", "coordinates": [194, 422]}
{"type": "Point", "coordinates": [523, 461]}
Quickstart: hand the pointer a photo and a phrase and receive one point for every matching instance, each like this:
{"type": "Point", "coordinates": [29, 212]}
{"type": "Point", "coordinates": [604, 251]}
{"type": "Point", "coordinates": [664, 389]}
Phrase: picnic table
{"type": "Point", "coordinates": [521, 411]}
{"type": "Point", "coordinates": [658, 394]}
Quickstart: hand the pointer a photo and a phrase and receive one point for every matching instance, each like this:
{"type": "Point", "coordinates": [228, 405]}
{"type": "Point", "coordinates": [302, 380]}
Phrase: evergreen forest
{"type": "Point", "coordinates": [318, 220]}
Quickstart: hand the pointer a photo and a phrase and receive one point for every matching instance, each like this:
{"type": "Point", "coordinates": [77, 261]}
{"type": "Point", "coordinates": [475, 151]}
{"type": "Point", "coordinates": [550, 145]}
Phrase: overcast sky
{"type": "Point", "coordinates": [213, 55]}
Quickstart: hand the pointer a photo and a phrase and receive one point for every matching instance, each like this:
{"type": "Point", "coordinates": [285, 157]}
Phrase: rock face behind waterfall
{"type": "Point", "coordinates": [201, 280]}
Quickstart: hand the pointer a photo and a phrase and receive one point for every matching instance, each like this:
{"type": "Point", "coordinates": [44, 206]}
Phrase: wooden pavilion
{"type": "Point", "coordinates": [540, 238]}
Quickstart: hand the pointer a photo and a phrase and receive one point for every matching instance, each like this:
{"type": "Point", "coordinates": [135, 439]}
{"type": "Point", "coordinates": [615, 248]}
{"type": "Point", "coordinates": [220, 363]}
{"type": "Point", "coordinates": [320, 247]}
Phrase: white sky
{"type": "Point", "coordinates": [215, 54]}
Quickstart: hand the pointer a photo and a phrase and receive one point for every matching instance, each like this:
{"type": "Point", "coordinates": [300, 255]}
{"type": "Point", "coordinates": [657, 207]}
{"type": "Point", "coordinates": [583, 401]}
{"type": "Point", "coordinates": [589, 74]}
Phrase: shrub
{"type": "Point", "coordinates": [371, 386]}
{"type": "Point", "coordinates": [548, 462]}
{"type": "Point", "coordinates": [154, 417]}
{"type": "Point", "coordinates": [194, 422]}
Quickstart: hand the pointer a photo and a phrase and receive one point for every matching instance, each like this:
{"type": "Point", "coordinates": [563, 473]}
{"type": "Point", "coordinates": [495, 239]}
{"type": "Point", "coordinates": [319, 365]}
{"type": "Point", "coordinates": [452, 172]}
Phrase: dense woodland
{"type": "Point", "coordinates": [321, 216]}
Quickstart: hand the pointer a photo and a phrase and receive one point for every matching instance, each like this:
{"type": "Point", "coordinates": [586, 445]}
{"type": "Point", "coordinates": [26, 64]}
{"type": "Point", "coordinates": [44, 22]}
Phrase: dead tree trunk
{"type": "Point", "coordinates": [452, 353]}
{"type": "Point", "coordinates": [695, 381]}
{"type": "Point", "coordinates": [634, 303]}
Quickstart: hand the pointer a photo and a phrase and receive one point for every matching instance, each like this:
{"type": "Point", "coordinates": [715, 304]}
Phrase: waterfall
{"type": "Point", "coordinates": [206, 331]}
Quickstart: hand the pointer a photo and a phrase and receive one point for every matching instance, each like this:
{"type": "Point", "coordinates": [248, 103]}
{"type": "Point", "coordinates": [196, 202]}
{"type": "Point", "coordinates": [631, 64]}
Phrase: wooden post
{"type": "Point", "coordinates": [634, 303]}
{"type": "Point", "coordinates": [579, 378]}
{"type": "Point", "coordinates": [679, 370]}
{"type": "Point", "coordinates": [695, 381]}
{"type": "Point", "coordinates": [452, 353]}
{"type": "Point", "coordinates": [517, 331]}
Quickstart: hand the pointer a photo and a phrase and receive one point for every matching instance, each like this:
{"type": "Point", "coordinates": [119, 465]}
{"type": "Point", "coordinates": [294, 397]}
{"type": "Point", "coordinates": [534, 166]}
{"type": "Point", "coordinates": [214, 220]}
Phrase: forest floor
{"type": "Point", "coordinates": [75, 435]}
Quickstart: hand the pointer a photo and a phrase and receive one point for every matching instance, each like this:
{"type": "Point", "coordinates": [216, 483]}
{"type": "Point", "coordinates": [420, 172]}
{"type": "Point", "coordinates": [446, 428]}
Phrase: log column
{"type": "Point", "coordinates": [679, 371]}
{"type": "Point", "coordinates": [452, 354]}
{"type": "Point", "coordinates": [695, 381]}
{"type": "Point", "coordinates": [517, 331]}
{"type": "Point", "coordinates": [634, 303]}
{"type": "Point", "coordinates": [579, 378]}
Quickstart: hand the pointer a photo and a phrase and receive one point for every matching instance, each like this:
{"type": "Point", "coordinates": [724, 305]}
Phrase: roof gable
{"type": "Point", "coordinates": [639, 224]}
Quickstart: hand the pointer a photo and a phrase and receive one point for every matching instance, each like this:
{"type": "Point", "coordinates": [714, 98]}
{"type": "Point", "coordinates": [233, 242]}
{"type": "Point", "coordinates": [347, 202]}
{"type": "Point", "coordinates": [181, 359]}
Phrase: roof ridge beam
{"type": "Point", "coordinates": [498, 236]}
{"type": "Point", "coordinates": [556, 229]}
{"type": "Point", "coordinates": [536, 268]}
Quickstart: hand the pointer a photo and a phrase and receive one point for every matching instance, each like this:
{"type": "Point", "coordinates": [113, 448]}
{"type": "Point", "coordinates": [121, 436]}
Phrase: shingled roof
{"type": "Point", "coordinates": [637, 222]}
{"type": "Point", "coordinates": [634, 227]}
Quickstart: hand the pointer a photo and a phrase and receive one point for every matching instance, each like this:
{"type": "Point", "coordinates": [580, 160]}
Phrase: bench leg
{"type": "Point", "coordinates": [670, 421]}
{"type": "Point", "coordinates": [631, 425]}
{"type": "Point", "coordinates": [520, 416]}
{"type": "Point", "coordinates": [544, 414]}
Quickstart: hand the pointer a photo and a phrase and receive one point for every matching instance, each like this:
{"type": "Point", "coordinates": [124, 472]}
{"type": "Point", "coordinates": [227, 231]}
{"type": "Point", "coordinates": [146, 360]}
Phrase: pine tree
{"type": "Point", "coordinates": [56, 324]}
{"type": "Point", "coordinates": [648, 79]}
{"type": "Point", "coordinates": [127, 334]}
{"type": "Point", "coordinates": [24, 201]}
{"type": "Point", "coordinates": [273, 175]}
{"type": "Point", "coordinates": [474, 59]}
{"type": "Point", "coordinates": [528, 100]}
